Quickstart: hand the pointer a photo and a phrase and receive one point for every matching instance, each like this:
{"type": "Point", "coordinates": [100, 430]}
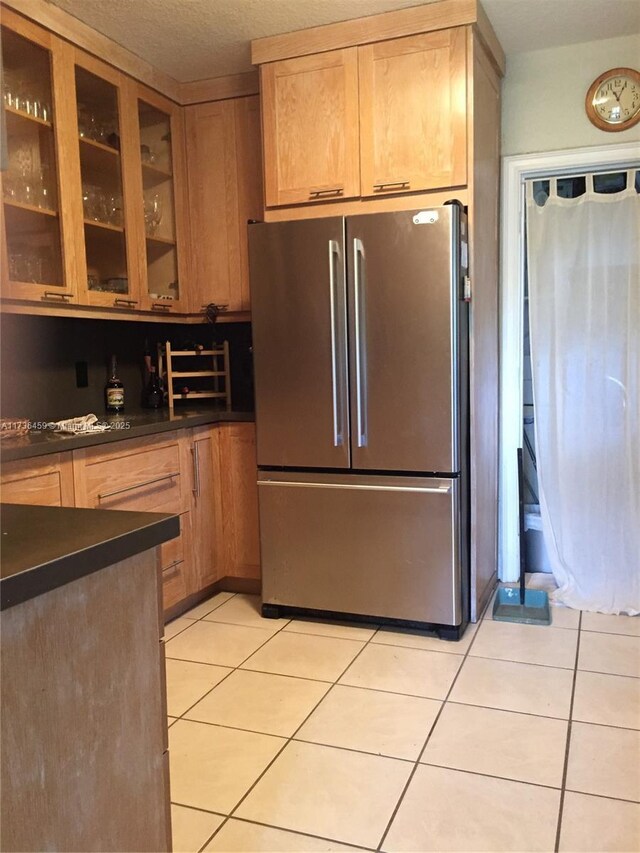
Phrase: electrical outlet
{"type": "Point", "coordinates": [82, 374]}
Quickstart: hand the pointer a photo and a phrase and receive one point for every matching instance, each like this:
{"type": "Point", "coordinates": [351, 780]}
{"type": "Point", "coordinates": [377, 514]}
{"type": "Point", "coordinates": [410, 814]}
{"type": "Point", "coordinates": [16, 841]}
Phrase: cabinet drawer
{"type": "Point", "coordinates": [40, 482]}
{"type": "Point", "coordinates": [174, 557]}
{"type": "Point", "coordinates": [145, 476]}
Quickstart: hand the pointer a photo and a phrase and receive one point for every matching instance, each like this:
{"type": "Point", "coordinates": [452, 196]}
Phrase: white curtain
{"type": "Point", "coordinates": [584, 301]}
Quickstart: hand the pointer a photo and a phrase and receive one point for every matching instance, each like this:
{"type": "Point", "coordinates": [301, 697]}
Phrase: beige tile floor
{"type": "Point", "coordinates": [295, 735]}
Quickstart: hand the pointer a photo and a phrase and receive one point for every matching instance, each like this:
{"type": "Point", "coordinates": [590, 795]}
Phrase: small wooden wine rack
{"type": "Point", "coordinates": [210, 364]}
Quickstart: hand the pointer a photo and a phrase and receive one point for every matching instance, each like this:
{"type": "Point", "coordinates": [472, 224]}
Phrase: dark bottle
{"type": "Point", "coordinates": [153, 397]}
{"type": "Point", "coordinates": [114, 390]}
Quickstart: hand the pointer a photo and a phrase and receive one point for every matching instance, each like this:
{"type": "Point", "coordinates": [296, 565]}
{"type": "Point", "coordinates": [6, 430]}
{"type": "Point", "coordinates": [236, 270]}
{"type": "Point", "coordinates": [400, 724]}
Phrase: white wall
{"type": "Point", "coordinates": [544, 90]}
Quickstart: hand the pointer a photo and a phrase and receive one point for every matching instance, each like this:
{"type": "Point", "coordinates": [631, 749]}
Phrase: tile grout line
{"type": "Point", "coordinates": [430, 732]}
{"type": "Point", "coordinates": [290, 832]}
{"type": "Point", "coordinates": [231, 669]}
{"type": "Point", "coordinates": [287, 742]}
{"type": "Point", "coordinates": [565, 769]}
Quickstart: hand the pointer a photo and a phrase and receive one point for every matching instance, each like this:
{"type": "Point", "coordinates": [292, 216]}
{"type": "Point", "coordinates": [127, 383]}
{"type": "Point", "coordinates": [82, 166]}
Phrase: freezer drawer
{"type": "Point", "coordinates": [375, 546]}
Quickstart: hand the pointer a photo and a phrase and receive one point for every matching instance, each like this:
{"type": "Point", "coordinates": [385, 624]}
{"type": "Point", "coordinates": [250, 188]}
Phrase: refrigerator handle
{"type": "Point", "coordinates": [334, 254]}
{"type": "Point", "coordinates": [361, 380]}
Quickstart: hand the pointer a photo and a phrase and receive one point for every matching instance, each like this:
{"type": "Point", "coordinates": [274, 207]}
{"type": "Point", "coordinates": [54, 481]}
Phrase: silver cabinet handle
{"type": "Point", "coordinates": [170, 568]}
{"type": "Point", "coordinates": [334, 253]}
{"type": "Point", "coordinates": [430, 490]}
{"type": "Point", "coordinates": [195, 450]}
{"type": "Point", "coordinates": [391, 185]}
{"type": "Point", "coordinates": [52, 294]}
{"type": "Point", "coordinates": [125, 302]}
{"type": "Point", "coordinates": [329, 193]}
{"type": "Point", "coordinates": [160, 306]}
{"type": "Point", "coordinates": [361, 381]}
{"type": "Point", "coordinates": [121, 491]}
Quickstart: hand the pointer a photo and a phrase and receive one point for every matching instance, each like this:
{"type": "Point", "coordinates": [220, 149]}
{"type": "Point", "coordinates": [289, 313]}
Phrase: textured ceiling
{"type": "Point", "coordinates": [196, 39]}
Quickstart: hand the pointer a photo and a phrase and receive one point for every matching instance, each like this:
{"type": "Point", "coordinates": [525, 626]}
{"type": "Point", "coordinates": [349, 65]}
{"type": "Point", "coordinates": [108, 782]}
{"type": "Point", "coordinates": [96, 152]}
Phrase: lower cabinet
{"type": "Point", "coordinates": [206, 475]}
{"type": "Point", "coordinates": [43, 481]}
{"type": "Point", "coordinates": [239, 501]}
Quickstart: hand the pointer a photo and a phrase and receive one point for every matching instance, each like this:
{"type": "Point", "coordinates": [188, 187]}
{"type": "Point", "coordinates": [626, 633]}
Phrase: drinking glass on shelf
{"type": "Point", "coordinates": [147, 155]}
{"type": "Point", "coordinates": [46, 188]}
{"type": "Point", "coordinates": [113, 209]}
{"type": "Point", "coordinates": [92, 202]}
{"type": "Point", "coordinates": [152, 214]}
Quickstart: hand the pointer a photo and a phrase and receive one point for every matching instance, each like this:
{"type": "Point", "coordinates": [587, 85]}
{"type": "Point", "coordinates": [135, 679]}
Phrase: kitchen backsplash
{"type": "Point", "coordinates": [39, 357]}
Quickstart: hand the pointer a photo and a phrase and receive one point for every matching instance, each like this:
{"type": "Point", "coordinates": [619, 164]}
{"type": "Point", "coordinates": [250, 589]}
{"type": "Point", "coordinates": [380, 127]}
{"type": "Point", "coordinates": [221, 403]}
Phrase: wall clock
{"type": "Point", "coordinates": [613, 99]}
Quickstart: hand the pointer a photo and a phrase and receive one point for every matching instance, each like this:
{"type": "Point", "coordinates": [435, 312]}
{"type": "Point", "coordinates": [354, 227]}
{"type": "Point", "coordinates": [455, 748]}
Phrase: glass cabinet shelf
{"type": "Point", "coordinates": [30, 182]}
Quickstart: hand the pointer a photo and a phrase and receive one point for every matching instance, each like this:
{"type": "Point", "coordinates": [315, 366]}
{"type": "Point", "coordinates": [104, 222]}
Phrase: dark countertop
{"type": "Point", "coordinates": [128, 425]}
{"type": "Point", "coordinates": [47, 547]}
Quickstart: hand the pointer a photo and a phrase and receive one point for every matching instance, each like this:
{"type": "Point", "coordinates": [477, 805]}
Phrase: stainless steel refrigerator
{"type": "Point", "coordinates": [360, 355]}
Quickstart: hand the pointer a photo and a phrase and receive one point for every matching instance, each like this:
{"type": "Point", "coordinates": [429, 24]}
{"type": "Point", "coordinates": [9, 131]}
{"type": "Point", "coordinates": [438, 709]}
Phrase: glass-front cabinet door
{"type": "Point", "coordinates": [107, 184]}
{"type": "Point", "coordinates": [33, 264]}
{"type": "Point", "coordinates": [161, 160]}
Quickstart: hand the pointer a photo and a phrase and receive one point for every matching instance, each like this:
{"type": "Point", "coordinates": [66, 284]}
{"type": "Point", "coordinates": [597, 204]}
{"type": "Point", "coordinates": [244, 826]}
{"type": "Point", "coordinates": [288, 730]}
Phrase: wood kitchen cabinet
{"type": "Point", "coordinates": [310, 128]}
{"type": "Point", "coordinates": [109, 242]}
{"type": "Point", "coordinates": [206, 475]}
{"type": "Point", "coordinates": [206, 512]}
{"type": "Point", "coordinates": [239, 500]}
{"type": "Point", "coordinates": [43, 481]}
{"type": "Point", "coordinates": [225, 190]}
{"type": "Point", "coordinates": [161, 195]}
{"type": "Point", "coordinates": [382, 118]}
{"type": "Point", "coordinates": [413, 115]}
{"type": "Point", "coordinates": [147, 475]}
{"type": "Point", "coordinates": [39, 213]}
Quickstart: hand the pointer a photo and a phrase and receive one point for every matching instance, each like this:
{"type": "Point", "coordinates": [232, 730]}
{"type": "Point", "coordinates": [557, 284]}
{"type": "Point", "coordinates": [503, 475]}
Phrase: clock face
{"type": "Point", "coordinates": [613, 99]}
{"type": "Point", "coordinates": [617, 99]}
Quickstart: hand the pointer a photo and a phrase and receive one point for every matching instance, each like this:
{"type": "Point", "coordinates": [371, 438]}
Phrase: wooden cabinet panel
{"type": "Point", "coordinates": [142, 474]}
{"type": "Point", "coordinates": [213, 203]}
{"type": "Point", "coordinates": [105, 126]}
{"type": "Point", "coordinates": [225, 190]}
{"type": "Point", "coordinates": [47, 481]}
{"type": "Point", "coordinates": [41, 208]}
{"type": "Point", "coordinates": [413, 113]}
{"type": "Point", "coordinates": [240, 500]}
{"type": "Point", "coordinates": [310, 128]}
{"type": "Point", "coordinates": [206, 509]}
{"type": "Point", "coordinates": [145, 475]}
{"type": "Point", "coordinates": [174, 562]}
{"type": "Point", "coordinates": [161, 200]}
{"type": "Point", "coordinates": [250, 185]}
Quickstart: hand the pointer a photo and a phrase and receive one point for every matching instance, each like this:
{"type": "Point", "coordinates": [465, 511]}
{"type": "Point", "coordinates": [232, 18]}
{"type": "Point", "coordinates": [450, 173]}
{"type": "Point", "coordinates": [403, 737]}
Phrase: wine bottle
{"type": "Point", "coordinates": [114, 390]}
{"type": "Point", "coordinates": [153, 396]}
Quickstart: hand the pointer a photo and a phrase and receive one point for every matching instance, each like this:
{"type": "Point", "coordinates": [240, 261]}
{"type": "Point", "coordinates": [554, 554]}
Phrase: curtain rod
{"type": "Point", "coordinates": [618, 170]}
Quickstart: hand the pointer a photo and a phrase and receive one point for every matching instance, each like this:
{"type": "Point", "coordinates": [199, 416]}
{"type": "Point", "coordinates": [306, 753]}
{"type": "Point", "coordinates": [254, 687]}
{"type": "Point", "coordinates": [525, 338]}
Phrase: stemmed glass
{"type": "Point", "coordinates": [152, 214]}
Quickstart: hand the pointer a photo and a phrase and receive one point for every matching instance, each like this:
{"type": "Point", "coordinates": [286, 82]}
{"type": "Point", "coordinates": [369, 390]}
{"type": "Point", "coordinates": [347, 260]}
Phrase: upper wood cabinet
{"type": "Point", "coordinates": [413, 116]}
{"type": "Point", "coordinates": [109, 241]}
{"type": "Point", "coordinates": [161, 193]}
{"type": "Point", "coordinates": [387, 117]}
{"type": "Point", "coordinates": [310, 124]}
{"type": "Point", "coordinates": [225, 190]}
{"type": "Point", "coordinates": [38, 213]}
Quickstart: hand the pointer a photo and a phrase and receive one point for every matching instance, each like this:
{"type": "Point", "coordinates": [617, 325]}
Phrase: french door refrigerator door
{"type": "Point", "coordinates": [298, 309]}
{"type": "Point", "coordinates": [403, 329]}
{"type": "Point", "coordinates": [380, 546]}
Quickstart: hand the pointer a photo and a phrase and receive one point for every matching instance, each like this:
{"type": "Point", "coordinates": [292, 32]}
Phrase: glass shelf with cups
{"type": "Point", "coordinates": [98, 104]}
{"type": "Point", "coordinates": [156, 163]}
{"type": "Point", "coordinates": [30, 182]}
